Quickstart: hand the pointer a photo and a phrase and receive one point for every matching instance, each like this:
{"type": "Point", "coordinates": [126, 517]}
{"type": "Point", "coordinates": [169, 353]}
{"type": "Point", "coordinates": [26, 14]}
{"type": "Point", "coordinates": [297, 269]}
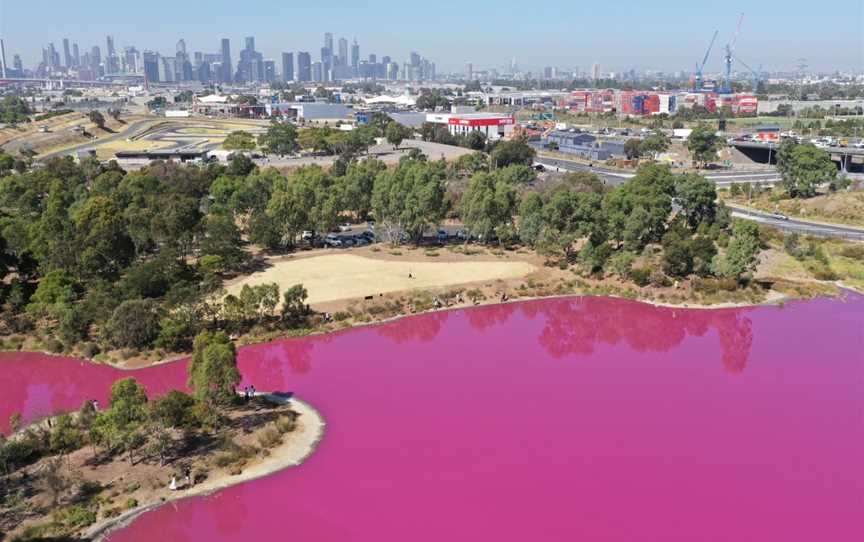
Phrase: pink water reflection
{"type": "Point", "coordinates": [591, 419]}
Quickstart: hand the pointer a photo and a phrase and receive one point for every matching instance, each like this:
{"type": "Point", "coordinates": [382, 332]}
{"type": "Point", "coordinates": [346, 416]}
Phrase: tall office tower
{"type": "Point", "coordinates": [131, 60]}
{"type": "Point", "coordinates": [111, 64]}
{"type": "Point", "coordinates": [250, 43]}
{"type": "Point", "coordinates": [270, 71]}
{"type": "Point", "coordinates": [184, 66]}
{"type": "Point", "coordinates": [17, 65]}
{"type": "Point", "coordinates": [51, 56]}
{"type": "Point", "coordinates": [203, 73]}
{"type": "Point", "coordinates": [373, 58]}
{"type": "Point", "coordinates": [595, 71]}
{"type": "Point", "coordinates": [343, 51]}
{"type": "Point", "coordinates": [287, 67]}
{"type": "Point", "coordinates": [181, 46]}
{"type": "Point", "coordinates": [226, 61]}
{"type": "Point", "coordinates": [76, 56]}
{"type": "Point", "coordinates": [304, 67]}
{"type": "Point", "coordinates": [386, 59]}
{"type": "Point", "coordinates": [318, 72]}
{"type": "Point", "coordinates": [67, 54]}
{"type": "Point", "coordinates": [2, 58]}
{"type": "Point", "coordinates": [151, 66]}
{"type": "Point", "coordinates": [355, 54]}
{"type": "Point", "coordinates": [326, 63]}
{"type": "Point", "coordinates": [95, 60]}
{"type": "Point", "coordinates": [328, 41]}
{"type": "Point", "coordinates": [415, 59]}
{"type": "Point", "coordinates": [469, 71]}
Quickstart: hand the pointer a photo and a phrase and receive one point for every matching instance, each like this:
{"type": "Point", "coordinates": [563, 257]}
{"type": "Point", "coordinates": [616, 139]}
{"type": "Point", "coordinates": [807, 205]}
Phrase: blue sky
{"type": "Point", "coordinates": [621, 34]}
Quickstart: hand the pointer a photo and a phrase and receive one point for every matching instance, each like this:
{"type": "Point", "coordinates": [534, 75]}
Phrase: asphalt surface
{"type": "Point", "coordinates": [128, 131]}
{"type": "Point", "coordinates": [802, 227]}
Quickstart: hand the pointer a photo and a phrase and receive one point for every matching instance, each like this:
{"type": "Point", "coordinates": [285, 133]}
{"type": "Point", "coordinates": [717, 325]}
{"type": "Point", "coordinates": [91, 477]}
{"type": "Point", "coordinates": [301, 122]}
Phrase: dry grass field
{"type": "Point", "coordinates": [334, 277]}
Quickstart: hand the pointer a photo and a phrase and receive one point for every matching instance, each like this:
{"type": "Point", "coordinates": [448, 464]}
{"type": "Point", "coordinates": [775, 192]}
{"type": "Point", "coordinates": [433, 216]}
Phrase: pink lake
{"type": "Point", "coordinates": [567, 419]}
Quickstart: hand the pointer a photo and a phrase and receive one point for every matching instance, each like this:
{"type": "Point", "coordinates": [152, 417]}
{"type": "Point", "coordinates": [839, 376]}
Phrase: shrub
{"type": "Point", "coordinates": [75, 517]}
{"type": "Point", "coordinates": [131, 503]}
{"type": "Point", "coordinates": [341, 315]}
{"type": "Point", "coordinates": [641, 275]}
{"type": "Point", "coordinates": [660, 280]}
{"type": "Point", "coordinates": [270, 437]}
{"type": "Point", "coordinates": [855, 252]}
{"type": "Point", "coordinates": [285, 424]}
{"type": "Point", "coordinates": [89, 349]}
{"type": "Point", "coordinates": [621, 263]}
{"type": "Point", "coordinates": [53, 345]}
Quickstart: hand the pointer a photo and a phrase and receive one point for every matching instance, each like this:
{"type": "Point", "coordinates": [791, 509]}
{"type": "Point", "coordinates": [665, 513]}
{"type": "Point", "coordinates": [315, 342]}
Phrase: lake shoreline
{"type": "Point", "coordinates": [775, 300]}
{"type": "Point", "coordinates": [297, 447]}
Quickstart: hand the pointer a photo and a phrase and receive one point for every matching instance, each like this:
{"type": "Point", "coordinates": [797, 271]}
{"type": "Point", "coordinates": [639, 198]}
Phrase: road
{"type": "Point", "coordinates": [795, 225]}
{"type": "Point", "coordinates": [128, 131]}
{"type": "Point", "coordinates": [722, 179]}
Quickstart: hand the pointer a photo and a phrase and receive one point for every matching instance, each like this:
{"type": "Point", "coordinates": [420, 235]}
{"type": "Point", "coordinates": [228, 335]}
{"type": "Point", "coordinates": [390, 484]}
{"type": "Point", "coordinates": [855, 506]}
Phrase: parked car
{"type": "Point", "coordinates": [307, 235]}
{"type": "Point", "coordinates": [443, 236]}
{"type": "Point", "coordinates": [333, 241]}
{"type": "Point", "coordinates": [368, 235]}
{"type": "Point", "coordinates": [345, 226]}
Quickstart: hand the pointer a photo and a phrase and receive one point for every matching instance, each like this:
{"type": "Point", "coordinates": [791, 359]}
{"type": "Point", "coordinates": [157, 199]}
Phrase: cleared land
{"type": "Point", "coordinates": [346, 276]}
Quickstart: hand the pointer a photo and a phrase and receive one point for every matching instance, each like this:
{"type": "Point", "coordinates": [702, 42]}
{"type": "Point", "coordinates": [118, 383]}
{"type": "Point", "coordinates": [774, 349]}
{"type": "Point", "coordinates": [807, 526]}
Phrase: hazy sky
{"type": "Point", "coordinates": [620, 34]}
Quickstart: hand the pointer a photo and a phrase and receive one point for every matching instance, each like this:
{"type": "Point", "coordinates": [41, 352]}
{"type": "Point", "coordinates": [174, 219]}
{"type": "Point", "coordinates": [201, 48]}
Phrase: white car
{"type": "Point", "coordinates": [345, 227]}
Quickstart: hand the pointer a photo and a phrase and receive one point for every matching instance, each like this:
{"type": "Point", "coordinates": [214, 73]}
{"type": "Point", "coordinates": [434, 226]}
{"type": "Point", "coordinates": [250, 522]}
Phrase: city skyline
{"type": "Point", "coordinates": [829, 41]}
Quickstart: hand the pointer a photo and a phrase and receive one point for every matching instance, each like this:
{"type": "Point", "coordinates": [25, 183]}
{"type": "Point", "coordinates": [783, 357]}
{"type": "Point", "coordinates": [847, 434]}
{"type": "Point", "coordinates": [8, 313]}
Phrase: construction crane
{"type": "Point", "coordinates": [756, 74]}
{"type": "Point", "coordinates": [697, 85]}
{"type": "Point", "coordinates": [728, 58]}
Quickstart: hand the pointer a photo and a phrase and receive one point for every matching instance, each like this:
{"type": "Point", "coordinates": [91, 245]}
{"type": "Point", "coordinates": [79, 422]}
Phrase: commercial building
{"type": "Point", "coordinates": [584, 145]}
{"type": "Point", "coordinates": [287, 67]}
{"type": "Point", "coordinates": [492, 125]}
{"type": "Point", "coordinates": [304, 67]}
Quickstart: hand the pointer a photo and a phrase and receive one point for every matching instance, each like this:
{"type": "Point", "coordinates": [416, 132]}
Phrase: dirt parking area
{"type": "Point", "coordinates": [341, 276]}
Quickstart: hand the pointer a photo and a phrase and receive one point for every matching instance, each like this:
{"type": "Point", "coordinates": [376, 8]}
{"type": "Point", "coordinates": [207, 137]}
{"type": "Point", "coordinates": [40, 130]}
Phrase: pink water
{"type": "Point", "coordinates": [583, 419]}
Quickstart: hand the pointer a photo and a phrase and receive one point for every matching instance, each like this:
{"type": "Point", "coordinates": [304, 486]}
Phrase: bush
{"type": "Point", "coordinates": [341, 315]}
{"type": "Point", "coordinates": [660, 280]}
{"type": "Point", "coordinates": [75, 517]}
{"type": "Point", "coordinates": [270, 438]}
{"type": "Point", "coordinates": [714, 285]}
{"type": "Point", "coordinates": [131, 503]}
{"type": "Point", "coordinates": [641, 276]}
{"type": "Point", "coordinates": [53, 345]}
{"type": "Point", "coordinates": [89, 349]}
{"type": "Point", "coordinates": [855, 252]}
{"type": "Point", "coordinates": [285, 424]}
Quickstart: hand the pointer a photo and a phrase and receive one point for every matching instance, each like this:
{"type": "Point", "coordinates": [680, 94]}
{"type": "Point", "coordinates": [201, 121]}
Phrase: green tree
{"type": "Point", "coordinates": [134, 323]}
{"type": "Point", "coordinates": [531, 218]}
{"type": "Point", "coordinates": [395, 133]}
{"type": "Point", "coordinates": [358, 183]}
{"type": "Point", "coordinates": [512, 152]}
{"type": "Point", "coordinates": [55, 293]}
{"type": "Point", "coordinates": [704, 144]}
{"type": "Point", "coordinates": [239, 140]}
{"type": "Point", "coordinates": [294, 308]}
{"type": "Point", "coordinates": [697, 197]}
{"type": "Point", "coordinates": [213, 373]}
{"type": "Point", "coordinates": [281, 138]}
{"type": "Point", "coordinates": [633, 148]}
{"type": "Point", "coordinates": [488, 204]}
{"type": "Point", "coordinates": [409, 199]}
{"type": "Point", "coordinates": [807, 168]}
{"type": "Point", "coordinates": [222, 238]}
{"type": "Point", "coordinates": [742, 253]}
{"type": "Point", "coordinates": [655, 143]}
{"type": "Point", "coordinates": [97, 118]}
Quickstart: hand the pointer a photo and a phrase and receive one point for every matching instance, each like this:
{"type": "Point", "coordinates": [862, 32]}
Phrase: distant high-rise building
{"type": "Point", "coordinates": [385, 59]}
{"type": "Point", "coordinates": [250, 43]}
{"type": "Point", "coordinates": [67, 53]}
{"type": "Point", "coordinates": [595, 71]}
{"type": "Point", "coordinates": [131, 60]}
{"type": "Point", "coordinates": [151, 66]}
{"type": "Point", "coordinates": [181, 46]}
{"type": "Point", "coordinates": [328, 40]}
{"type": "Point", "coordinates": [326, 61]}
{"type": "Point", "coordinates": [95, 60]}
{"type": "Point", "coordinates": [2, 58]}
{"type": "Point", "coordinates": [111, 63]}
{"type": "Point", "coordinates": [287, 67]}
{"type": "Point", "coordinates": [76, 56]}
{"type": "Point", "coordinates": [269, 71]}
{"type": "Point", "coordinates": [304, 67]}
{"type": "Point", "coordinates": [17, 65]}
{"type": "Point", "coordinates": [415, 59]}
{"type": "Point", "coordinates": [343, 51]}
{"type": "Point", "coordinates": [469, 70]}
{"type": "Point", "coordinates": [355, 54]}
{"type": "Point", "coordinates": [225, 76]}
{"type": "Point", "coordinates": [318, 72]}
{"type": "Point", "coordinates": [547, 72]}
{"type": "Point", "coordinates": [373, 58]}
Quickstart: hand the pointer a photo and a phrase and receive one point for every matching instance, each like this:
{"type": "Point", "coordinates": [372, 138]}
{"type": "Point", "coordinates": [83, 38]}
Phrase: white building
{"type": "Point", "coordinates": [492, 125]}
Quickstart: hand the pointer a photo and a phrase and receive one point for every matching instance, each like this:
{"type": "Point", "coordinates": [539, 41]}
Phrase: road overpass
{"type": "Point", "coordinates": [846, 158]}
{"type": "Point", "coordinates": [612, 177]}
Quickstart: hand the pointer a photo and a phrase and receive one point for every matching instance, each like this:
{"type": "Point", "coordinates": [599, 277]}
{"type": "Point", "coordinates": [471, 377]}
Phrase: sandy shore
{"type": "Point", "coordinates": [297, 446]}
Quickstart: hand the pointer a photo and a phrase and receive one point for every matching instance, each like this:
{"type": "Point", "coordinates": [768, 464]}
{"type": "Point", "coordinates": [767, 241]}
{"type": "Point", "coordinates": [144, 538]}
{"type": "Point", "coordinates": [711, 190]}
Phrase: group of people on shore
{"type": "Point", "coordinates": [189, 481]}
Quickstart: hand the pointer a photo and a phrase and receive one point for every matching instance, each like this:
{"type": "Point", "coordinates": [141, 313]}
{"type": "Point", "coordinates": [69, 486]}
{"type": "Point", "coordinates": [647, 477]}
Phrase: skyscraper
{"type": "Point", "coordinates": [111, 64]}
{"type": "Point", "coordinates": [355, 55]}
{"type": "Point", "coordinates": [76, 56]}
{"type": "Point", "coordinates": [250, 43]}
{"type": "Point", "coordinates": [151, 66]}
{"type": "Point", "coordinates": [343, 51]}
{"type": "Point", "coordinates": [469, 70]}
{"type": "Point", "coordinates": [287, 67]}
{"type": "Point", "coordinates": [595, 71]}
{"type": "Point", "coordinates": [226, 61]}
{"type": "Point", "coordinates": [2, 58]}
{"type": "Point", "coordinates": [304, 67]}
{"type": "Point", "coordinates": [67, 54]}
{"type": "Point", "coordinates": [415, 59]}
{"type": "Point", "coordinates": [328, 41]}
{"type": "Point", "coordinates": [95, 60]}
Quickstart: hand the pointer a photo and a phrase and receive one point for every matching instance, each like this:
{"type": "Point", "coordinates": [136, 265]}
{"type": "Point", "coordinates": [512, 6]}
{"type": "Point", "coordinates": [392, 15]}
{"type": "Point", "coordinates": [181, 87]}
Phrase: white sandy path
{"type": "Point", "coordinates": [345, 276]}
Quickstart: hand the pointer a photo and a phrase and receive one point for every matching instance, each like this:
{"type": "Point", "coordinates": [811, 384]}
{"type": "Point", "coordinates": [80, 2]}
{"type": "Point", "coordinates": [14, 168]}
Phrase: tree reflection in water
{"type": "Point", "coordinates": [575, 326]}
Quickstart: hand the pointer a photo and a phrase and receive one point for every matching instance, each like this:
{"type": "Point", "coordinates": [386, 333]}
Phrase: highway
{"type": "Point", "coordinates": [722, 179]}
{"type": "Point", "coordinates": [802, 227]}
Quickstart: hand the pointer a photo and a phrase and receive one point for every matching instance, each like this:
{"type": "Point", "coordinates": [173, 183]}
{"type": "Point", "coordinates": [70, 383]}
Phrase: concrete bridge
{"type": "Point", "coordinates": [846, 158]}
